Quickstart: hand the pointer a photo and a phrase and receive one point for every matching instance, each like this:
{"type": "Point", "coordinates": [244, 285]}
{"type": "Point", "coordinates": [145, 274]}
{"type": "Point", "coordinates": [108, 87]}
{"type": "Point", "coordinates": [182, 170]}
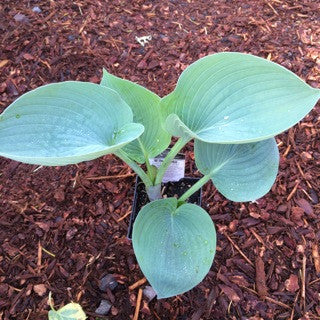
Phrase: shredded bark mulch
{"type": "Point", "coordinates": [62, 229]}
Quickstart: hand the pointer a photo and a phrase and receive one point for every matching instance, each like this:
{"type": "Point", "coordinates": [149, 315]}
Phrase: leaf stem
{"type": "Point", "coordinates": [170, 156]}
{"type": "Point", "coordinates": [135, 167]}
{"type": "Point", "coordinates": [195, 188]}
{"type": "Point", "coordinates": [150, 170]}
{"type": "Point", "coordinates": [51, 301]}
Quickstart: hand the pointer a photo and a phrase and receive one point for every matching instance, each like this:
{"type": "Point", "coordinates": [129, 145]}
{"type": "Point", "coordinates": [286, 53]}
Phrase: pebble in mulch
{"type": "Point", "coordinates": [36, 10]}
{"type": "Point", "coordinates": [149, 293]}
{"type": "Point", "coordinates": [106, 282]}
{"type": "Point", "coordinates": [21, 18]}
{"type": "Point", "coordinates": [103, 308]}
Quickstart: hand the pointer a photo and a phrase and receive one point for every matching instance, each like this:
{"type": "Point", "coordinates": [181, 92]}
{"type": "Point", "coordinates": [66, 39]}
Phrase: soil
{"type": "Point", "coordinates": [170, 189]}
{"type": "Point", "coordinates": [64, 228]}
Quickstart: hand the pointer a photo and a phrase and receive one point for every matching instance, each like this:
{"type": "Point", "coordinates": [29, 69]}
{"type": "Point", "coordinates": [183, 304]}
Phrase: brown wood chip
{"type": "Point", "coordinates": [261, 278]}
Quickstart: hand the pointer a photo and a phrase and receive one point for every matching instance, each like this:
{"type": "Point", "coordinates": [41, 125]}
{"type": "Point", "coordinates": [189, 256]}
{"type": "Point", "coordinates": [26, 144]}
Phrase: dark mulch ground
{"type": "Point", "coordinates": [62, 232]}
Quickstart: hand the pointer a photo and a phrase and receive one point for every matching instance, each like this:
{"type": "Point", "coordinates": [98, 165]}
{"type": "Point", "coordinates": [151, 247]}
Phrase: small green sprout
{"type": "Point", "coordinates": [71, 311]}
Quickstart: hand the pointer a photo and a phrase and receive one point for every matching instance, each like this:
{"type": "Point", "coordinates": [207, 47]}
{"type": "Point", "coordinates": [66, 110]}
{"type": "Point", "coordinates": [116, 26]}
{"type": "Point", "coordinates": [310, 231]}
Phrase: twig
{"type": "Point", "coordinates": [287, 151]}
{"type": "Point", "coordinates": [48, 252]}
{"type": "Point", "coordinates": [272, 8]}
{"type": "Point", "coordinates": [239, 250]}
{"type": "Point", "coordinates": [28, 314]}
{"type": "Point", "coordinates": [278, 303]}
{"type": "Point", "coordinates": [138, 283]}
{"type": "Point", "coordinates": [124, 216]}
{"type": "Point", "coordinates": [194, 22]}
{"type": "Point", "coordinates": [257, 236]}
{"type": "Point", "coordinates": [307, 194]}
{"type": "Point", "coordinates": [229, 306]}
{"type": "Point", "coordinates": [293, 191]}
{"type": "Point", "coordinates": [120, 176]}
{"type": "Point", "coordinates": [136, 313]}
{"type": "Point", "coordinates": [316, 257]}
{"type": "Point", "coordinates": [300, 170]}
{"type": "Point", "coordinates": [294, 303]}
{"type": "Point", "coordinates": [303, 281]}
{"type": "Point", "coordinates": [280, 144]}
{"type": "Point", "coordinates": [75, 180]}
{"type": "Point", "coordinates": [314, 281]}
{"type": "Point", "coordinates": [303, 176]}
{"type": "Point", "coordinates": [267, 298]}
{"type": "Point", "coordinates": [178, 23]}
{"type": "Point", "coordinates": [39, 257]}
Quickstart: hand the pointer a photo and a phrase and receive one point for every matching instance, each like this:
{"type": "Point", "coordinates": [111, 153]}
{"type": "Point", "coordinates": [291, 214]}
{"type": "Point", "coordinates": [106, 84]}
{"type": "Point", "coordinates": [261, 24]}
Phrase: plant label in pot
{"type": "Point", "coordinates": [176, 169]}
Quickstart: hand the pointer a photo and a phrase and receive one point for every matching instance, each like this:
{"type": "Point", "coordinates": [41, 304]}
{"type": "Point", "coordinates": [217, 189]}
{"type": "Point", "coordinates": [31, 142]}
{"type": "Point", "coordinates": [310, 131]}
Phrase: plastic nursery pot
{"type": "Point", "coordinates": [168, 189]}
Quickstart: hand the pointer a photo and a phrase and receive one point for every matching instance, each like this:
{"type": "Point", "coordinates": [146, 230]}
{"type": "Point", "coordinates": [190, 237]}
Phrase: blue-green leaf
{"type": "Point", "coordinates": [235, 98]}
{"type": "Point", "coordinates": [146, 110]}
{"type": "Point", "coordinates": [241, 172]}
{"type": "Point", "coordinates": [65, 123]}
{"type": "Point", "coordinates": [174, 245]}
{"type": "Point", "coordinates": [71, 311]}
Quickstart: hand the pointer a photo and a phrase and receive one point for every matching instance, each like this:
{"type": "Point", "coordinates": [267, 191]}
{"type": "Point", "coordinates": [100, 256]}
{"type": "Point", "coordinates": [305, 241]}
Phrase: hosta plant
{"type": "Point", "coordinates": [231, 104]}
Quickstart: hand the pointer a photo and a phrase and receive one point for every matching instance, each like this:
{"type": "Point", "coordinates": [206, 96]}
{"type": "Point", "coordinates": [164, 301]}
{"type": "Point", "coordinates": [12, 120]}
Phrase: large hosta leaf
{"type": "Point", "coordinates": [241, 172]}
{"type": "Point", "coordinates": [146, 110]}
{"type": "Point", "coordinates": [66, 123]}
{"type": "Point", "coordinates": [174, 245]}
{"type": "Point", "coordinates": [236, 98]}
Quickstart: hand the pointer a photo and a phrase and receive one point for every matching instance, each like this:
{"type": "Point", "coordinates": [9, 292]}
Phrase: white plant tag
{"type": "Point", "coordinates": [144, 40]}
{"type": "Point", "coordinates": [176, 169]}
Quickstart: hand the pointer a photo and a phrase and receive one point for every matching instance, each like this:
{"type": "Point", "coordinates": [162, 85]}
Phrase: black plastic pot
{"type": "Point", "coordinates": [169, 189]}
